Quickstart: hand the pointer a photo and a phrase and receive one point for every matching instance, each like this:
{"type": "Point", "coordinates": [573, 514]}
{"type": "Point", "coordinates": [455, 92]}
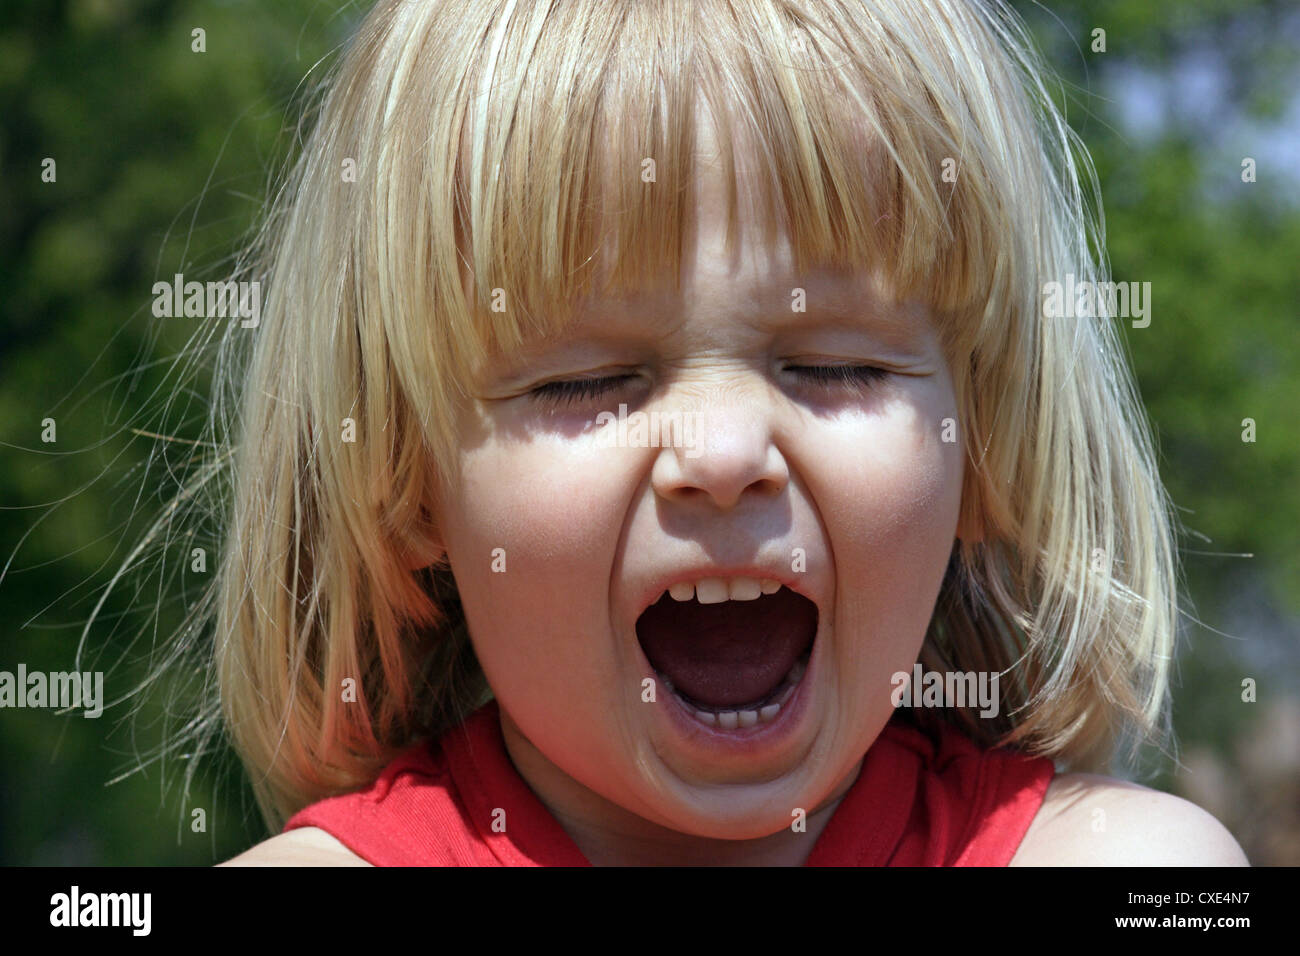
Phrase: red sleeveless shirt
{"type": "Point", "coordinates": [914, 803]}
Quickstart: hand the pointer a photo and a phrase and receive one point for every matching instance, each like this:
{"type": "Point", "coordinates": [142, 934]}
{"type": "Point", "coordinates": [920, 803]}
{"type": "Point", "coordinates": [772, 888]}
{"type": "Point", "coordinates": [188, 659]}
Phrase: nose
{"type": "Point", "coordinates": [732, 453]}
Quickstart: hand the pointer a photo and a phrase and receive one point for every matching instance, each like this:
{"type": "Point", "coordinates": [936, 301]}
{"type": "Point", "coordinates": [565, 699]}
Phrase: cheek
{"type": "Point", "coordinates": [891, 500]}
{"type": "Point", "coordinates": [892, 482]}
{"type": "Point", "coordinates": [531, 538]}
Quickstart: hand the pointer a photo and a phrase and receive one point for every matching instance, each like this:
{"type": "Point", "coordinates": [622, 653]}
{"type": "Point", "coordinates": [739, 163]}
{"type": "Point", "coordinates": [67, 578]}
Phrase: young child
{"type": "Point", "coordinates": [656, 449]}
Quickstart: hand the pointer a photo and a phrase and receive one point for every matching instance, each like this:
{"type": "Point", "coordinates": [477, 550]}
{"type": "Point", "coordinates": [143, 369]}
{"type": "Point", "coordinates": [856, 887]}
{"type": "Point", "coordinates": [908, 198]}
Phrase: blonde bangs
{"type": "Point", "coordinates": [574, 175]}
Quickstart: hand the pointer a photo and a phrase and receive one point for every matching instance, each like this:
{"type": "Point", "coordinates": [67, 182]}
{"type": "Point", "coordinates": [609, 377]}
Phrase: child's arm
{"type": "Point", "coordinates": [305, 846]}
{"type": "Point", "coordinates": [1091, 820]}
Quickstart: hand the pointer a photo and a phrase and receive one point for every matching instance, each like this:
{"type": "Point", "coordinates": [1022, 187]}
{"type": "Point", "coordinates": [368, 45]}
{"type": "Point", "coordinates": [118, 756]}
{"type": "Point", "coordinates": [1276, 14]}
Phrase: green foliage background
{"type": "Point", "coordinates": [163, 159]}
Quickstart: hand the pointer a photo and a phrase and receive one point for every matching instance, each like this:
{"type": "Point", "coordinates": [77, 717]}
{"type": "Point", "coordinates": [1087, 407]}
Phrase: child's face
{"type": "Point", "coordinates": [860, 483]}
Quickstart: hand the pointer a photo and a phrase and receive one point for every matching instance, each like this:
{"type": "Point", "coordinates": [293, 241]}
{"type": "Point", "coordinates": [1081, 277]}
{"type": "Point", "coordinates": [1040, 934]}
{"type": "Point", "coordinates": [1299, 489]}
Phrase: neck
{"type": "Point", "coordinates": [609, 835]}
{"type": "Point", "coordinates": [612, 845]}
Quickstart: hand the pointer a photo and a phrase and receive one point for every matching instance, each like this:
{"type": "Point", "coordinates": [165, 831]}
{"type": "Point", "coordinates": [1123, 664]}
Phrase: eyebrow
{"type": "Point", "coordinates": [833, 293]}
{"type": "Point", "coordinates": [855, 296]}
{"type": "Point", "coordinates": [831, 301]}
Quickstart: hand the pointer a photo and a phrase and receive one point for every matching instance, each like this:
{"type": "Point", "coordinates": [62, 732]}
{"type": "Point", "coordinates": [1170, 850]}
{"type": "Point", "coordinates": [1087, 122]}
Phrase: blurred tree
{"type": "Point", "coordinates": [1183, 94]}
{"type": "Point", "coordinates": [161, 159]}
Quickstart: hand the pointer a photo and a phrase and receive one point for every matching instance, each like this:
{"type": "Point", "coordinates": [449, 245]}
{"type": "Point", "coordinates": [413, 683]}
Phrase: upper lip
{"type": "Point", "coordinates": [798, 583]}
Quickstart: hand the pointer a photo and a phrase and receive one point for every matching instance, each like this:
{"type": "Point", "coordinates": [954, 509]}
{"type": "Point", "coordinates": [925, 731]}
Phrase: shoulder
{"type": "Point", "coordinates": [305, 846]}
{"type": "Point", "coordinates": [1091, 820]}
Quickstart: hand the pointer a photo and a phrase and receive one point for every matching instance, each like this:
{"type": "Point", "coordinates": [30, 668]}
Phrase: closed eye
{"type": "Point", "coordinates": [576, 390]}
{"type": "Point", "coordinates": [854, 376]}
{"type": "Point", "coordinates": [573, 391]}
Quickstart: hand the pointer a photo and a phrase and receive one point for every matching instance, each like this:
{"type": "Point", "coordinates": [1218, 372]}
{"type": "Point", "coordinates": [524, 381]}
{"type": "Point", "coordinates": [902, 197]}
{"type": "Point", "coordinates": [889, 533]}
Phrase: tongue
{"type": "Point", "coordinates": [727, 654]}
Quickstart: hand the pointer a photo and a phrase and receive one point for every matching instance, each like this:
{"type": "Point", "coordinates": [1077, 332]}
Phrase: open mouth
{"type": "Point", "coordinates": [734, 663]}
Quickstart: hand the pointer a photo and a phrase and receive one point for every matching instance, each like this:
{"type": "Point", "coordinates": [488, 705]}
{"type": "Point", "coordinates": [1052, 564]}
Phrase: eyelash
{"type": "Point", "coordinates": [854, 376]}
{"type": "Point", "coordinates": [576, 390]}
{"type": "Point", "coordinates": [584, 389]}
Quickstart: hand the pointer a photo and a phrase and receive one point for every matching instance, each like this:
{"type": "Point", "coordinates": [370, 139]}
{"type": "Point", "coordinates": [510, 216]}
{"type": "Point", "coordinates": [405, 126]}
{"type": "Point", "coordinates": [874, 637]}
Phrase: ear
{"type": "Point", "coordinates": [970, 531]}
{"type": "Point", "coordinates": [970, 521]}
{"type": "Point", "coordinates": [421, 556]}
{"type": "Point", "coordinates": [418, 541]}
{"type": "Point", "coordinates": [416, 527]}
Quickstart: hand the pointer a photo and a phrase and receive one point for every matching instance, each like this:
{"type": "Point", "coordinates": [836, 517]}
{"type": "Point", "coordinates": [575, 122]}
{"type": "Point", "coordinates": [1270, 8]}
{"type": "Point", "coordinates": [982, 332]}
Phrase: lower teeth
{"type": "Point", "coordinates": [731, 719]}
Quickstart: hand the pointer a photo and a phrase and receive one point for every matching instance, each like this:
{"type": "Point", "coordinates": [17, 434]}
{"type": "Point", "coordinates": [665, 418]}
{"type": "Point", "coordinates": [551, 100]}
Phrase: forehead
{"type": "Point", "coordinates": [761, 293]}
{"type": "Point", "coordinates": [735, 262]}
{"type": "Point", "coordinates": [733, 257]}
{"type": "Point", "coordinates": [726, 265]}
{"type": "Point", "coordinates": [705, 314]}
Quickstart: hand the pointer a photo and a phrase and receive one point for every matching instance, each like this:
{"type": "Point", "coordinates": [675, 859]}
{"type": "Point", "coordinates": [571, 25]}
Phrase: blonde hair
{"type": "Point", "coordinates": [483, 138]}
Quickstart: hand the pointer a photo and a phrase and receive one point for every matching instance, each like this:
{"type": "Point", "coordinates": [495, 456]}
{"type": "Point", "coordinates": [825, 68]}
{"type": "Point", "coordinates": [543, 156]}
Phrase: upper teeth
{"type": "Point", "coordinates": [717, 590]}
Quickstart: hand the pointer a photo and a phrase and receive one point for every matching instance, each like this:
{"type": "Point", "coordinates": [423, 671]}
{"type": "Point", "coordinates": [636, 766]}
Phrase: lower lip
{"type": "Point", "coordinates": [743, 740]}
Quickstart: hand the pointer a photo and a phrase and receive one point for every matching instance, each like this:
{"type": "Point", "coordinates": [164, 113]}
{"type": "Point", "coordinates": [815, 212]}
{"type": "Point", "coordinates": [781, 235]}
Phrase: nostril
{"type": "Point", "coordinates": [725, 472]}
